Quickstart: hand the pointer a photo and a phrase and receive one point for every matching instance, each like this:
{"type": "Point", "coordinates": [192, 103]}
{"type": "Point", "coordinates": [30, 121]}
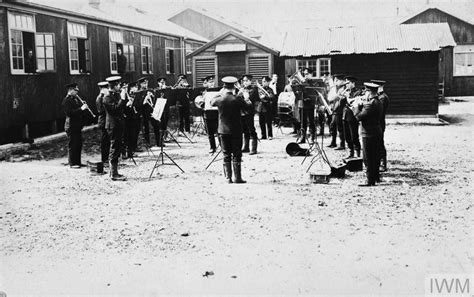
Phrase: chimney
{"type": "Point", "coordinates": [94, 3]}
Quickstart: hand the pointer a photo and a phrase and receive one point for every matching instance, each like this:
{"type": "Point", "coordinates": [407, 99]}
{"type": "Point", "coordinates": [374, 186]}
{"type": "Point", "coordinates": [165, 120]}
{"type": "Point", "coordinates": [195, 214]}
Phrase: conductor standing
{"type": "Point", "coordinates": [230, 127]}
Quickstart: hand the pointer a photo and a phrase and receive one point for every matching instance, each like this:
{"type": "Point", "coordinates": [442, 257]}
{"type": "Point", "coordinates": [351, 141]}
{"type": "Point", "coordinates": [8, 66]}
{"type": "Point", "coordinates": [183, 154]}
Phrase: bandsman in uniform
{"type": "Point", "coordinates": [338, 101]}
{"type": "Point", "coordinates": [307, 105]}
{"type": "Point", "coordinates": [148, 99]}
{"type": "Point", "coordinates": [248, 115]}
{"type": "Point", "coordinates": [76, 111]}
{"type": "Point", "coordinates": [350, 123]}
{"type": "Point", "coordinates": [183, 104]}
{"type": "Point", "coordinates": [133, 120]}
{"type": "Point", "coordinates": [230, 127]}
{"type": "Point", "coordinates": [265, 108]}
{"type": "Point", "coordinates": [383, 97]}
{"type": "Point", "coordinates": [161, 92]}
{"type": "Point", "coordinates": [369, 113]}
{"type": "Point", "coordinates": [114, 103]}
{"type": "Point", "coordinates": [210, 115]}
{"type": "Point", "coordinates": [104, 136]}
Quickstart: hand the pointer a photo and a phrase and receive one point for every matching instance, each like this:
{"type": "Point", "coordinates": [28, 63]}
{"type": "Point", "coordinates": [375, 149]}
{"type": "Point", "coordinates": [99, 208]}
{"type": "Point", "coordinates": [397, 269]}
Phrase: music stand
{"type": "Point", "coordinates": [214, 159]}
{"type": "Point", "coordinates": [180, 93]}
{"type": "Point", "coordinates": [162, 156]}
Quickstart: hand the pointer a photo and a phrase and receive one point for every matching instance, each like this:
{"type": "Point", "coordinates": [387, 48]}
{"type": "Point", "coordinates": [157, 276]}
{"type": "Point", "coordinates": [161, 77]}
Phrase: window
{"type": "Point", "coordinates": [146, 54]}
{"type": "Point", "coordinates": [320, 66]}
{"type": "Point", "coordinates": [464, 60]}
{"type": "Point", "coordinates": [169, 55]}
{"type": "Point", "coordinates": [129, 53]}
{"type": "Point", "coordinates": [118, 61]}
{"type": "Point", "coordinates": [79, 48]}
{"type": "Point", "coordinates": [22, 43]}
{"type": "Point", "coordinates": [45, 52]}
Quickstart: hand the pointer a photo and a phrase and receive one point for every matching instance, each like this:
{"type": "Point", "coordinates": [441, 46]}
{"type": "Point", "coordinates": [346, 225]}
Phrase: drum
{"type": "Point", "coordinates": [286, 106]}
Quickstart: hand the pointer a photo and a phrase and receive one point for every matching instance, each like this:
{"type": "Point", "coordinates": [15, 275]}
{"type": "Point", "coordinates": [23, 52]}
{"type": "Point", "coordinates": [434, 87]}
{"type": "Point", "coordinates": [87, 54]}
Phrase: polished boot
{"type": "Point", "coordinates": [237, 173]}
{"type": "Point", "coordinates": [302, 138]}
{"type": "Point", "coordinates": [253, 146]}
{"type": "Point", "coordinates": [333, 142]}
{"type": "Point", "coordinates": [351, 154]}
{"type": "Point", "coordinates": [228, 172]}
{"type": "Point", "coordinates": [114, 173]}
{"type": "Point", "coordinates": [246, 149]}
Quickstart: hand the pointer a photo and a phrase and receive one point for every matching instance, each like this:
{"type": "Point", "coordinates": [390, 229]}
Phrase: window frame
{"type": "Point", "coordinates": [46, 58]}
{"type": "Point", "coordinates": [113, 46]}
{"type": "Point", "coordinates": [463, 49]}
{"type": "Point", "coordinates": [149, 54]}
{"type": "Point", "coordinates": [11, 27]}
{"type": "Point", "coordinates": [76, 37]}
{"type": "Point", "coordinates": [168, 58]}
{"type": "Point", "coordinates": [318, 64]}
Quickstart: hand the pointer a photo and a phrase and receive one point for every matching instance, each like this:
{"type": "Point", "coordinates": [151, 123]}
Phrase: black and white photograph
{"type": "Point", "coordinates": [236, 148]}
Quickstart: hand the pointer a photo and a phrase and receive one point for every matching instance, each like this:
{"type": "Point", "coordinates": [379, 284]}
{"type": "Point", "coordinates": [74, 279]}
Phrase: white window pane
{"type": "Point", "coordinates": [39, 39]}
{"type": "Point", "coordinates": [30, 23]}
{"type": "Point", "coordinates": [41, 64]}
{"type": "Point", "coordinates": [48, 39]}
{"type": "Point", "coordinates": [19, 49]}
{"type": "Point", "coordinates": [20, 63]}
{"type": "Point", "coordinates": [40, 52]}
{"type": "Point", "coordinates": [17, 21]}
{"type": "Point", "coordinates": [49, 52]}
{"type": "Point", "coordinates": [49, 64]}
{"type": "Point", "coordinates": [14, 51]}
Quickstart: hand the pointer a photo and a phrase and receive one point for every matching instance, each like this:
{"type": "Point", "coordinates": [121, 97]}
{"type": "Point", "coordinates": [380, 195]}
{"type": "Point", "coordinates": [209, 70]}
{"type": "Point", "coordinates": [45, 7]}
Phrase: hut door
{"type": "Point", "coordinates": [231, 64]}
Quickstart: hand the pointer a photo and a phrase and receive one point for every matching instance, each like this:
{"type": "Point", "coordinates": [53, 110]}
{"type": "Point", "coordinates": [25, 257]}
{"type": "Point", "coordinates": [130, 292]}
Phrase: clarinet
{"type": "Point", "coordinates": [88, 109]}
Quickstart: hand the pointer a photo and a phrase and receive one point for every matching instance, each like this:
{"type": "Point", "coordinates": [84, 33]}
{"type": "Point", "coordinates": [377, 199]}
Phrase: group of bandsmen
{"type": "Point", "coordinates": [123, 110]}
{"type": "Point", "coordinates": [346, 108]}
{"type": "Point", "coordinates": [126, 109]}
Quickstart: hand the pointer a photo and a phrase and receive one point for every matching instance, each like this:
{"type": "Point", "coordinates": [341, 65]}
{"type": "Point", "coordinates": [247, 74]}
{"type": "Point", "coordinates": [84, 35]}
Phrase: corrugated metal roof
{"type": "Point", "coordinates": [362, 40]}
{"type": "Point", "coordinates": [126, 15]}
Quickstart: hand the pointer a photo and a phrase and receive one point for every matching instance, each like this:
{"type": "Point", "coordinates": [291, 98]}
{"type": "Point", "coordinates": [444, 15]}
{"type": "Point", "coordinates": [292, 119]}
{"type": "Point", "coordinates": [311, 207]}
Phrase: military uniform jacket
{"type": "Point", "coordinates": [74, 113]}
{"type": "Point", "coordinates": [309, 101]}
{"type": "Point", "coordinates": [370, 117]}
{"type": "Point", "coordinates": [101, 115]}
{"type": "Point", "coordinates": [265, 104]}
{"type": "Point", "coordinates": [347, 114]}
{"type": "Point", "coordinates": [230, 107]}
{"type": "Point", "coordinates": [132, 112]}
{"type": "Point", "coordinates": [385, 102]}
{"type": "Point", "coordinates": [114, 110]}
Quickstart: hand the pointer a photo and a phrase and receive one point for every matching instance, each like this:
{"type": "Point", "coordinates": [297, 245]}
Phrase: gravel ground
{"type": "Point", "coordinates": [69, 232]}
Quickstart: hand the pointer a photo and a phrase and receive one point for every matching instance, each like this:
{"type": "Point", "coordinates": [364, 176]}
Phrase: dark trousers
{"type": "Point", "coordinates": [231, 147]}
{"type": "Point", "coordinates": [74, 146]}
{"type": "Point", "coordinates": [351, 133]}
{"type": "Point", "coordinates": [156, 129]}
{"type": "Point", "coordinates": [371, 154]}
{"type": "Point", "coordinates": [184, 122]}
{"type": "Point", "coordinates": [308, 118]}
{"type": "Point", "coordinates": [336, 127]}
{"type": "Point", "coordinates": [115, 135]}
{"type": "Point", "coordinates": [211, 128]}
{"type": "Point", "coordinates": [104, 145]}
{"type": "Point", "coordinates": [383, 151]}
{"type": "Point", "coordinates": [248, 126]}
{"type": "Point", "coordinates": [132, 129]}
{"type": "Point", "coordinates": [265, 121]}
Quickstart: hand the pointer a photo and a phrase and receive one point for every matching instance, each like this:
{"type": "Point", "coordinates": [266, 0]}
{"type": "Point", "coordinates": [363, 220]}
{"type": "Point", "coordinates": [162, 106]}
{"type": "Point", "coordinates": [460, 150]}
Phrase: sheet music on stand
{"type": "Point", "coordinates": [158, 109]}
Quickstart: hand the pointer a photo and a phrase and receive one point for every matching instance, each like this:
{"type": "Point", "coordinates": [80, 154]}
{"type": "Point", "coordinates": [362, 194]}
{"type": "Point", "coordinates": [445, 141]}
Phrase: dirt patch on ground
{"type": "Point", "coordinates": [66, 231]}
